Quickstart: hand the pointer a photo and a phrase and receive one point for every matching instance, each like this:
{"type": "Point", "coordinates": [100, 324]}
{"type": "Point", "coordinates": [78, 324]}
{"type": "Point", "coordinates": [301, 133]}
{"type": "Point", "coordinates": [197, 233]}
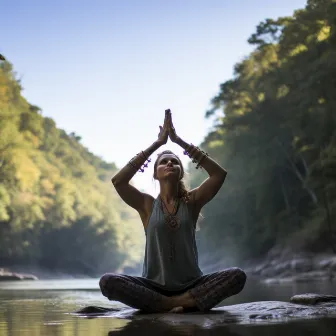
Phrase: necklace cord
{"type": "Point", "coordinates": [174, 209]}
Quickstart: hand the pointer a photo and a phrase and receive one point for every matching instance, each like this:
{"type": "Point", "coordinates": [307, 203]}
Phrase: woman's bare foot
{"type": "Point", "coordinates": [176, 304]}
{"type": "Point", "coordinates": [184, 300]}
{"type": "Point", "coordinates": [176, 310]}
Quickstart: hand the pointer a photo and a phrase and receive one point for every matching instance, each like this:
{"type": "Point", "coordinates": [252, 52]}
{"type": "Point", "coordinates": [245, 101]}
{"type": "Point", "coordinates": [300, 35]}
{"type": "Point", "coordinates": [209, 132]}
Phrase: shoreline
{"type": "Point", "coordinates": [7, 275]}
{"type": "Point", "coordinates": [276, 268]}
{"type": "Point", "coordinates": [300, 267]}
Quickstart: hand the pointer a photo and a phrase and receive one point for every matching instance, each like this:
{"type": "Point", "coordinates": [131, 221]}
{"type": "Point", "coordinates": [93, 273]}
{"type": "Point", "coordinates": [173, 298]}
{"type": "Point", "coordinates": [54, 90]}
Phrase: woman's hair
{"type": "Point", "coordinates": [183, 193]}
{"type": "Point", "coordinates": [182, 190]}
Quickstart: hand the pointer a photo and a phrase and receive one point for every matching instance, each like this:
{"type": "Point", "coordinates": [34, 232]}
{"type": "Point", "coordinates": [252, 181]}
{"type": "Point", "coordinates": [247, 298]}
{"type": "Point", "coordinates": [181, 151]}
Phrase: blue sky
{"type": "Point", "coordinates": [107, 70]}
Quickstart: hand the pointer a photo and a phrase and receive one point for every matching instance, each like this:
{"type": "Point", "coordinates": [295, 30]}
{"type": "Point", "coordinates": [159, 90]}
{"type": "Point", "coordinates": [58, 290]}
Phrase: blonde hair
{"type": "Point", "coordinates": [183, 193]}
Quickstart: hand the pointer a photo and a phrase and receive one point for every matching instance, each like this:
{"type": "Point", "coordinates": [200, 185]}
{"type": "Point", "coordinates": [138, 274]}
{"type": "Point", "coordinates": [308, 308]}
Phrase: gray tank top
{"type": "Point", "coordinates": [171, 257]}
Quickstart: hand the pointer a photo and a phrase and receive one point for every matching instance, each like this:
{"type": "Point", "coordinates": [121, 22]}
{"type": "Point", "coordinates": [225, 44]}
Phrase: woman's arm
{"type": "Point", "coordinates": [217, 174]}
{"type": "Point", "coordinates": [133, 197]}
{"type": "Point", "coordinates": [125, 174]}
{"type": "Point", "coordinates": [209, 188]}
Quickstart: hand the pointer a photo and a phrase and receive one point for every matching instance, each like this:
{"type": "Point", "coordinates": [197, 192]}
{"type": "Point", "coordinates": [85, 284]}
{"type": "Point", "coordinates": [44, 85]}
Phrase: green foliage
{"type": "Point", "coordinates": [275, 133]}
{"type": "Point", "coordinates": [58, 209]}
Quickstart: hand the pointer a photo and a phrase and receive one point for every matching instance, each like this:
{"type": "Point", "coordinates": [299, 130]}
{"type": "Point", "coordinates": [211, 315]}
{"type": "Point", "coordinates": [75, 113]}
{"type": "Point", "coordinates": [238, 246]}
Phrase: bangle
{"type": "Point", "coordinates": [143, 155]}
{"type": "Point", "coordinates": [193, 152]}
{"type": "Point", "coordinates": [130, 163]}
{"type": "Point", "coordinates": [143, 166]}
{"type": "Point", "coordinates": [201, 159]}
{"type": "Point", "coordinates": [186, 152]}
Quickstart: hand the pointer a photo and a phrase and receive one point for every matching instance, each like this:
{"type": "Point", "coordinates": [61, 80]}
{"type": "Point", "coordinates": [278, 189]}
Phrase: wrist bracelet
{"type": "Point", "coordinates": [201, 159]}
{"type": "Point", "coordinates": [143, 166]}
{"type": "Point", "coordinates": [193, 152]}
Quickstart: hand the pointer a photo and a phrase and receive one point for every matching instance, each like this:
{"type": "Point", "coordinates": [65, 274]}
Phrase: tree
{"type": "Point", "coordinates": [275, 135]}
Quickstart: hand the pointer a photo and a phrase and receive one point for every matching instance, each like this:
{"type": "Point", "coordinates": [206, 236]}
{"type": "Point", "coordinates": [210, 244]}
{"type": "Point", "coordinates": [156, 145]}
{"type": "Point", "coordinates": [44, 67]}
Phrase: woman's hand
{"type": "Point", "coordinates": [164, 131]}
{"type": "Point", "coordinates": [172, 133]}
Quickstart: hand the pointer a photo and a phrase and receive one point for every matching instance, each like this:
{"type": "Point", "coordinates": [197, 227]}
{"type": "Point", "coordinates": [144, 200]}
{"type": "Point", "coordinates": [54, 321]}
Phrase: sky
{"type": "Point", "coordinates": [108, 69]}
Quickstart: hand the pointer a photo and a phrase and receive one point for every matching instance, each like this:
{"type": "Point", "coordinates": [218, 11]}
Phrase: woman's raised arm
{"type": "Point", "coordinates": [209, 188]}
{"type": "Point", "coordinates": [133, 197]}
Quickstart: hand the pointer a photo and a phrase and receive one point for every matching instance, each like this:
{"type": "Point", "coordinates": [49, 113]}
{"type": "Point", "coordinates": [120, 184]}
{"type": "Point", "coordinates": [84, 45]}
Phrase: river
{"type": "Point", "coordinates": [44, 308]}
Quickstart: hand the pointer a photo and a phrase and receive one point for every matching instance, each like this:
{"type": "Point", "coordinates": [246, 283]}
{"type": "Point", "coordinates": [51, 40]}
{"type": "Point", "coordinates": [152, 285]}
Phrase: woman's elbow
{"type": "Point", "coordinates": [223, 174]}
{"type": "Point", "coordinates": [114, 180]}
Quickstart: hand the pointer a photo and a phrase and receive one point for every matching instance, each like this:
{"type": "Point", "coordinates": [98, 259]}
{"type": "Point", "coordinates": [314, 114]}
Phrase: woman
{"type": "Point", "coordinates": [172, 280]}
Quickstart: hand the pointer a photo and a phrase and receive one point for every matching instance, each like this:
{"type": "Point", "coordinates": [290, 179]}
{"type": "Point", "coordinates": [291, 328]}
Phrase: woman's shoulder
{"type": "Point", "coordinates": [192, 205]}
{"type": "Point", "coordinates": [190, 198]}
{"type": "Point", "coordinates": [149, 202]}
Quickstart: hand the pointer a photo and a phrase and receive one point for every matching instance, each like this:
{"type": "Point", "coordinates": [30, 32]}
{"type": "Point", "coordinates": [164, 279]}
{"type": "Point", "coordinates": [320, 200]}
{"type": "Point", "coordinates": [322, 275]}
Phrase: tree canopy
{"type": "Point", "coordinates": [275, 133]}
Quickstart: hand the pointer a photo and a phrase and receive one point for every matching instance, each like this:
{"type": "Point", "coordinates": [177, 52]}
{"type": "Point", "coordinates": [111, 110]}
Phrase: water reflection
{"type": "Point", "coordinates": [325, 327]}
{"type": "Point", "coordinates": [156, 328]}
{"type": "Point", "coordinates": [39, 317]}
{"type": "Point", "coordinates": [46, 312]}
{"type": "Point", "coordinates": [173, 326]}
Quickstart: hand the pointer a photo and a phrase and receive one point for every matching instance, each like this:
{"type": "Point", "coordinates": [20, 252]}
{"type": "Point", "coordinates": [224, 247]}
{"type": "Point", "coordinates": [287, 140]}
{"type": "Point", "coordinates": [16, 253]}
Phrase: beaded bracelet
{"type": "Point", "coordinates": [145, 165]}
{"type": "Point", "coordinates": [186, 152]}
{"type": "Point", "coordinates": [191, 150]}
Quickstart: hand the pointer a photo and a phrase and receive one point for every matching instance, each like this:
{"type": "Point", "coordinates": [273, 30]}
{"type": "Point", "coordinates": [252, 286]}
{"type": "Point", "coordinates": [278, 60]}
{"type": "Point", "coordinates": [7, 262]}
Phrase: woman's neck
{"type": "Point", "coordinates": [168, 192]}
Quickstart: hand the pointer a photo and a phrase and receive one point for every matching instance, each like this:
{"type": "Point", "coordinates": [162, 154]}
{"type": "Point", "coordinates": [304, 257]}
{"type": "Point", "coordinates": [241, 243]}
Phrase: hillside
{"type": "Point", "coordinates": [275, 133]}
{"type": "Point", "coordinates": [58, 210]}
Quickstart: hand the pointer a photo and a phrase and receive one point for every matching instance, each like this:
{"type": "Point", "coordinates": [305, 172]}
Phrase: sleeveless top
{"type": "Point", "coordinates": [171, 256]}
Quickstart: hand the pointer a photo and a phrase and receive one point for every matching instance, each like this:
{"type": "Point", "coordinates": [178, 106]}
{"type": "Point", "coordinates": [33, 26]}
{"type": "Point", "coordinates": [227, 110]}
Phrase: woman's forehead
{"type": "Point", "coordinates": [168, 156]}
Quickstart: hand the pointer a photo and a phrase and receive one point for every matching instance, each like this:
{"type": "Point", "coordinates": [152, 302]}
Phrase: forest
{"type": "Point", "coordinates": [274, 131]}
{"type": "Point", "coordinates": [58, 210]}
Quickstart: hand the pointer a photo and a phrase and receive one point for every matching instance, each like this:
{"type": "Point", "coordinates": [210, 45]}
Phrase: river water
{"type": "Point", "coordinates": [45, 307]}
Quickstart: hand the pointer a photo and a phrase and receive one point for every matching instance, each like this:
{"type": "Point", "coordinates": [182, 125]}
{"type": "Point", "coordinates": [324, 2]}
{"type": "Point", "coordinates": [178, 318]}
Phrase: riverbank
{"type": "Point", "coordinates": [281, 267]}
{"type": "Point", "coordinates": [26, 272]}
{"type": "Point", "coordinates": [6, 275]}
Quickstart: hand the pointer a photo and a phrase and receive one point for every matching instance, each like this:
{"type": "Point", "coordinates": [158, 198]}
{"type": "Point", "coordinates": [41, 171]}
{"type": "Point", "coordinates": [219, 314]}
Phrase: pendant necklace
{"type": "Point", "coordinates": [171, 220]}
{"type": "Point", "coordinates": [173, 224]}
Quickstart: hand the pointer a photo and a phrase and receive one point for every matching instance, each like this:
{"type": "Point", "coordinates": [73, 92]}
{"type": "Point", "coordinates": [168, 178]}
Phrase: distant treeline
{"type": "Point", "coordinates": [275, 133]}
{"type": "Point", "coordinates": [58, 210]}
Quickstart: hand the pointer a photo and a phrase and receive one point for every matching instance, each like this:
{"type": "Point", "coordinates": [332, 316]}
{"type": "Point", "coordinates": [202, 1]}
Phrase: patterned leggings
{"type": "Point", "coordinates": [207, 292]}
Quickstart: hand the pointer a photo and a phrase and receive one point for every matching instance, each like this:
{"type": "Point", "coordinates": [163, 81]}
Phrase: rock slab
{"type": "Point", "coordinates": [6, 275]}
{"type": "Point", "coordinates": [305, 306]}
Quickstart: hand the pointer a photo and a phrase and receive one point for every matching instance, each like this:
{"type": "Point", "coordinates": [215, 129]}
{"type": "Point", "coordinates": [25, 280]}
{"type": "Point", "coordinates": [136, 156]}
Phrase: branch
{"type": "Point", "coordinates": [296, 171]}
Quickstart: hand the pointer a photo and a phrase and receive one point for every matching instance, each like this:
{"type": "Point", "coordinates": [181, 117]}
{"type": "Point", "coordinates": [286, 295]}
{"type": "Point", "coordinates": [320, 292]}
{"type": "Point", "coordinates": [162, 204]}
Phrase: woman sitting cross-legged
{"type": "Point", "coordinates": [172, 280]}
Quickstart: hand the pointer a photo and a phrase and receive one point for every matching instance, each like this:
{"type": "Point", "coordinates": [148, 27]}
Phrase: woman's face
{"type": "Point", "coordinates": [168, 166]}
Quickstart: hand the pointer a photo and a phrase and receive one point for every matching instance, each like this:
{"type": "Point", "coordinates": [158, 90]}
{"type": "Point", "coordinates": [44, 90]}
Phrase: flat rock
{"type": "Point", "coordinates": [312, 299]}
{"type": "Point", "coordinates": [9, 276]}
{"type": "Point", "coordinates": [245, 313]}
